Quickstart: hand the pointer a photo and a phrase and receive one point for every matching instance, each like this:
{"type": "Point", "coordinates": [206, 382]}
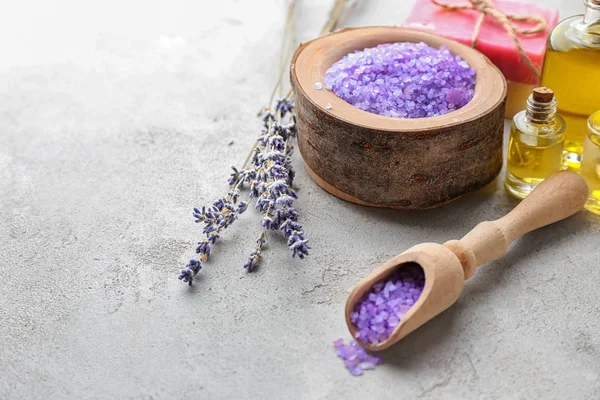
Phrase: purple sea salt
{"type": "Point", "coordinates": [356, 359]}
{"type": "Point", "coordinates": [403, 80]}
{"type": "Point", "coordinates": [380, 311]}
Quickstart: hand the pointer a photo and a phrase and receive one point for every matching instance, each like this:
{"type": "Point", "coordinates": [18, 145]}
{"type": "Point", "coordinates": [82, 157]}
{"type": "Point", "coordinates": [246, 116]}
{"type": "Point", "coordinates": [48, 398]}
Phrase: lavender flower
{"type": "Point", "coordinates": [284, 106]}
{"type": "Point", "coordinates": [243, 206]}
{"type": "Point", "coordinates": [234, 177]}
{"type": "Point", "coordinates": [255, 255]}
{"type": "Point", "coordinates": [203, 249]}
{"type": "Point", "coordinates": [297, 243]}
{"type": "Point", "coordinates": [189, 273]}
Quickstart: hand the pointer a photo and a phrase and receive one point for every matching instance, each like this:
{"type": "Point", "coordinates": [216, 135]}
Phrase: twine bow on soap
{"type": "Point", "coordinates": [485, 7]}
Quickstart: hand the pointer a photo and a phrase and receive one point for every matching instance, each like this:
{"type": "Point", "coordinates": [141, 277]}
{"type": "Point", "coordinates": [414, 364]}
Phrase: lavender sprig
{"type": "Point", "coordinates": [275, 194]}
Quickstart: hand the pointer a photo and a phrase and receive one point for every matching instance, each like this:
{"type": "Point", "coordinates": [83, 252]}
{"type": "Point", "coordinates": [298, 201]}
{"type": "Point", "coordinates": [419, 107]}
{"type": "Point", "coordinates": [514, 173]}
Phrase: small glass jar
{"type": "Point", "coordinates": [590, 163]}
{"type": "Point", "coordinates": [571, 70]}
{"type": "Point", "coordinates": [535, 148]}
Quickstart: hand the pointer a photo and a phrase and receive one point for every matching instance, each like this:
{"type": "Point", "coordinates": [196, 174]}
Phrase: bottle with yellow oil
{"type": "Point", "coordinates": [590, 163]}
{"type": "Point", "coordinates": [572, 70]}
{"type": "Point", "coordinates": [535, 149]}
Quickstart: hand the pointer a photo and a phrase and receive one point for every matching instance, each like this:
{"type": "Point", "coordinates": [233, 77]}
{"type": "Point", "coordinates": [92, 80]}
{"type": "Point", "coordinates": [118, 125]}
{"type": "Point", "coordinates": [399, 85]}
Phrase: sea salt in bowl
{"type": "Point", "coordinates": [405, 163]}
{"type": "Point", "coordinates": [403, 80]}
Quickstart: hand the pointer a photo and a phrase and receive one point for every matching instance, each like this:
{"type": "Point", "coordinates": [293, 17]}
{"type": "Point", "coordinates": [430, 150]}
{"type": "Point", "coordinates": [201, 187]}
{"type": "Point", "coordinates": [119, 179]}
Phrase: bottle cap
{"type": "Point", "coordinates": [543, 94]}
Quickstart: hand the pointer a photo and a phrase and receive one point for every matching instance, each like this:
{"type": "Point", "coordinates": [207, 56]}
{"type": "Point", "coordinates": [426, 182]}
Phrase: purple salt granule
{"type": "Point", "coordinates": [380, 311]}
{"type": "Point", "coordinates": [403, 80]}
{"type": "Point", "coordinates": [356, 359]}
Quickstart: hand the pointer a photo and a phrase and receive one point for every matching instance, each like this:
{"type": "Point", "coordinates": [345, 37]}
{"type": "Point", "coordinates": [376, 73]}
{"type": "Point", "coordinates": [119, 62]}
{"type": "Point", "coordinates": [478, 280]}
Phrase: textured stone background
{"type": "Point", "coordinates": [117, 118]}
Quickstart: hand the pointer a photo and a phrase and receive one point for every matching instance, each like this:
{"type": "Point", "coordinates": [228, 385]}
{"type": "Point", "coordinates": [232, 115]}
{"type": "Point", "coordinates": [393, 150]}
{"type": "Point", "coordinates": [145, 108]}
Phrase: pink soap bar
{"type": "Point", "coordinates": [494, 40]}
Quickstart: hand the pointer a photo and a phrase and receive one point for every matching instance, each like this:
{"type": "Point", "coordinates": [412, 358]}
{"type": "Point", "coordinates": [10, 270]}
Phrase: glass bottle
{"type": "Point", "coordinates": [535, 148]}
{"type": "Point", "coordinates": [590, 163]}
{"type": "Point", "coordinates": [572, 69]}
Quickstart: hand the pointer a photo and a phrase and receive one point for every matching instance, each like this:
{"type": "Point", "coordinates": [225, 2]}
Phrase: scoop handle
{"type": "Point", "coordinates": [558, 197]}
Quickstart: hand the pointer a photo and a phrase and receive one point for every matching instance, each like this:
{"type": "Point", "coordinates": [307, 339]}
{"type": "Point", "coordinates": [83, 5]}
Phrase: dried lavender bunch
{"type": "Point", "coordinates": [268, 178]}
{"type": "Point", "coordinates": [268, 173]}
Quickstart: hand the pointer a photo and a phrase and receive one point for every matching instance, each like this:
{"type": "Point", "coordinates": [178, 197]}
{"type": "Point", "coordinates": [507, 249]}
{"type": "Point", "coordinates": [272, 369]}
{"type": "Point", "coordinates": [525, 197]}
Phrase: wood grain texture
{"type": "Point", "coordinates": [447, 266]}
{"type": "Point", "coordinates": [395, 162]}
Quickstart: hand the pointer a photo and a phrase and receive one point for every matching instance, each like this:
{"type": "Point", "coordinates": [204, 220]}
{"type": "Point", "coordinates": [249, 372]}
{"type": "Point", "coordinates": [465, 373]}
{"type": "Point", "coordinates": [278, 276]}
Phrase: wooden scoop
{"type": "Point", "coordinates": [447, 266]}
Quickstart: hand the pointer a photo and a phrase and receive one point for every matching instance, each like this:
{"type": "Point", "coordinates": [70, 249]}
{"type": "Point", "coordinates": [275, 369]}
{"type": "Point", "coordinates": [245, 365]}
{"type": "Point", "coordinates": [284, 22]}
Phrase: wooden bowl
{"type": "Point", "coordinates": [390, 162]}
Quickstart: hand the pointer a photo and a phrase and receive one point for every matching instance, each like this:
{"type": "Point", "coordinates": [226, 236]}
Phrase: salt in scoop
{"type": "Point", "coordinates": [447, 266]}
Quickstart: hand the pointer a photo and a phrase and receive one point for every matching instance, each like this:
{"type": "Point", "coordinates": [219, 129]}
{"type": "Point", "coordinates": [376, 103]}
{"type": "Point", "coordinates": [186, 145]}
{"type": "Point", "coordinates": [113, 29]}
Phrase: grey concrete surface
{"type": "Point", "coordinates": [117, 118]}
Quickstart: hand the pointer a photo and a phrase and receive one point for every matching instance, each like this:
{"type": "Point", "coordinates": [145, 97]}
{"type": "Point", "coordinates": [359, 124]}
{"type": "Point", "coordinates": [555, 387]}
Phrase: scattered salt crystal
{"type": "Point", "coordinates": [328, 106]}
{"type": "Point", "coordinates": [366, 365]}
{"type": "Point", "coordinates": [318, 85]}
{"type": "Point", "coordinates": [403, 80]}
{"type": "Point", "coordinates": [356, 359]}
